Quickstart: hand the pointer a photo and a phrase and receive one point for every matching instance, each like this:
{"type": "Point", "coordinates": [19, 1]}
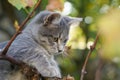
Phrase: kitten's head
{"type": "Point", "coordinates": [54, 30]}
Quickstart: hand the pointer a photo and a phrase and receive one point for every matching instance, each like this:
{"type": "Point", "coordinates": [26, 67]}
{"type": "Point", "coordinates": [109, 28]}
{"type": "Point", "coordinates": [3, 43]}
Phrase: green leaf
{"type": "Point", "coordinates": [18, 3]}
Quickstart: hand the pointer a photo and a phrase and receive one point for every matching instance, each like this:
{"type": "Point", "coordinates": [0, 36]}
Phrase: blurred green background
{"type": "Point", "coordinates": [98, 16]}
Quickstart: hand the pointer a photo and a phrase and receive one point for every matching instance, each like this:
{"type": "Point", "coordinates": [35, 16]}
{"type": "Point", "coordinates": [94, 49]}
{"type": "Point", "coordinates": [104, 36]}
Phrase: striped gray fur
{"type": "Point", "coordinates": [37, 45]}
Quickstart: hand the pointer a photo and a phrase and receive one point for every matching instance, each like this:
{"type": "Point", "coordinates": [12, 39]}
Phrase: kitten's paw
{"type": "Point", "coordinates": [51, 72]}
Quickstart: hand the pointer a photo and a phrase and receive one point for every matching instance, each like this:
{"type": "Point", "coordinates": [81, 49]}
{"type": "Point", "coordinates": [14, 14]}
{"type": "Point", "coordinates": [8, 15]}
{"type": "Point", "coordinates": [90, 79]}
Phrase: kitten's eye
{"type": "Point", "coordinates": [55, 39]}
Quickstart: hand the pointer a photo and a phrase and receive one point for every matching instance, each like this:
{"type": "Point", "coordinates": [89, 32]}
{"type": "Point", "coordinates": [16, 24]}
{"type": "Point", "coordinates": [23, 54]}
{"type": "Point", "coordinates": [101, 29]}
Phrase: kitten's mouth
{"type": "Point", "coordinates": [63, 53]}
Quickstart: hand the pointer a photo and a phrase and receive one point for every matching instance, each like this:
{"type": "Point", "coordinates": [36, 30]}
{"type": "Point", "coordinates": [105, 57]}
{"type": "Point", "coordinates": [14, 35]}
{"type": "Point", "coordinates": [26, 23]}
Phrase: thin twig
{"type": "Point", "coordinates": [21, 64]}
{"type": "Point", "coordinates": [92, 47]}
{"type": "Point", "coordinates": [20, 29]}
{"type": "Point", "coordinates": [10, 59]}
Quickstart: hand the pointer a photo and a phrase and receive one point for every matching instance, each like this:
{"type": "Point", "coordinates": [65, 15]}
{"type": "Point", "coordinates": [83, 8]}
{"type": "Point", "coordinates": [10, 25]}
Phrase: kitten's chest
{"type": "Point", "coordinates": [53, 62]}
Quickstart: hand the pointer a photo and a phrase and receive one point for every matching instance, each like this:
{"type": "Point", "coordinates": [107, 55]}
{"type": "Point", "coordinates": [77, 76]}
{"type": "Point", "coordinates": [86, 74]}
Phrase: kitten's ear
{"type": "Point", "coordinates": [52, 18]}
{"type": "Point", "coordinates": [74, 20]}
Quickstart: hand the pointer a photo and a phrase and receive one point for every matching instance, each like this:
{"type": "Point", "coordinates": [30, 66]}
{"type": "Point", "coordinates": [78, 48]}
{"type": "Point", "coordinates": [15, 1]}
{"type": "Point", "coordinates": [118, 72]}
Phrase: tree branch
{"type": "Point", "coordinates": [92, 47]}
{"type": "Point", "coordinates": [30, 72]}
{"type": "Point", "coordinates": [20, 29]}
{"type": "Point", "coordinates": [10, 59]}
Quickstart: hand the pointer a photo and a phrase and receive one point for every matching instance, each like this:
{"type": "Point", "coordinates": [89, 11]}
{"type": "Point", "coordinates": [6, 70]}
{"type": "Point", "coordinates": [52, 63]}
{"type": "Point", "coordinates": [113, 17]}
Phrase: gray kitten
{"type": "Point", "coordinates": [44, 37]}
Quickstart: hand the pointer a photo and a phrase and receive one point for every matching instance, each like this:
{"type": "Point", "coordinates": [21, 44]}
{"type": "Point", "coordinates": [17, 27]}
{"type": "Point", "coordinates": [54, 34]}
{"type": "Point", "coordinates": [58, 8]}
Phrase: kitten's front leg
{"type": "Point", "coordinates": [43, 64]}
{"type": "Point", "coordinates": [55, 64]}
{"type": "Point", "coordinates": [51, 71]}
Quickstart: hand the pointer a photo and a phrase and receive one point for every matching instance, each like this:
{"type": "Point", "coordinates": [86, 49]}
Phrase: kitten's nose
{"type": "Point", "coordinates": [59, 50]}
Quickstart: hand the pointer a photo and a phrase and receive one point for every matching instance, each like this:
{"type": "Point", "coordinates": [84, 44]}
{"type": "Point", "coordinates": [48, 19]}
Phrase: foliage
{"type": "Point", "coordinates": [19, 4]}
{"type": "Point", "coordinates": [99, 15]}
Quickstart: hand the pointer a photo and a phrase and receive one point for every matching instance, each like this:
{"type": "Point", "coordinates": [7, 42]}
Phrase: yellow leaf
{"type": "Point", "coordinates": [16, 25]}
